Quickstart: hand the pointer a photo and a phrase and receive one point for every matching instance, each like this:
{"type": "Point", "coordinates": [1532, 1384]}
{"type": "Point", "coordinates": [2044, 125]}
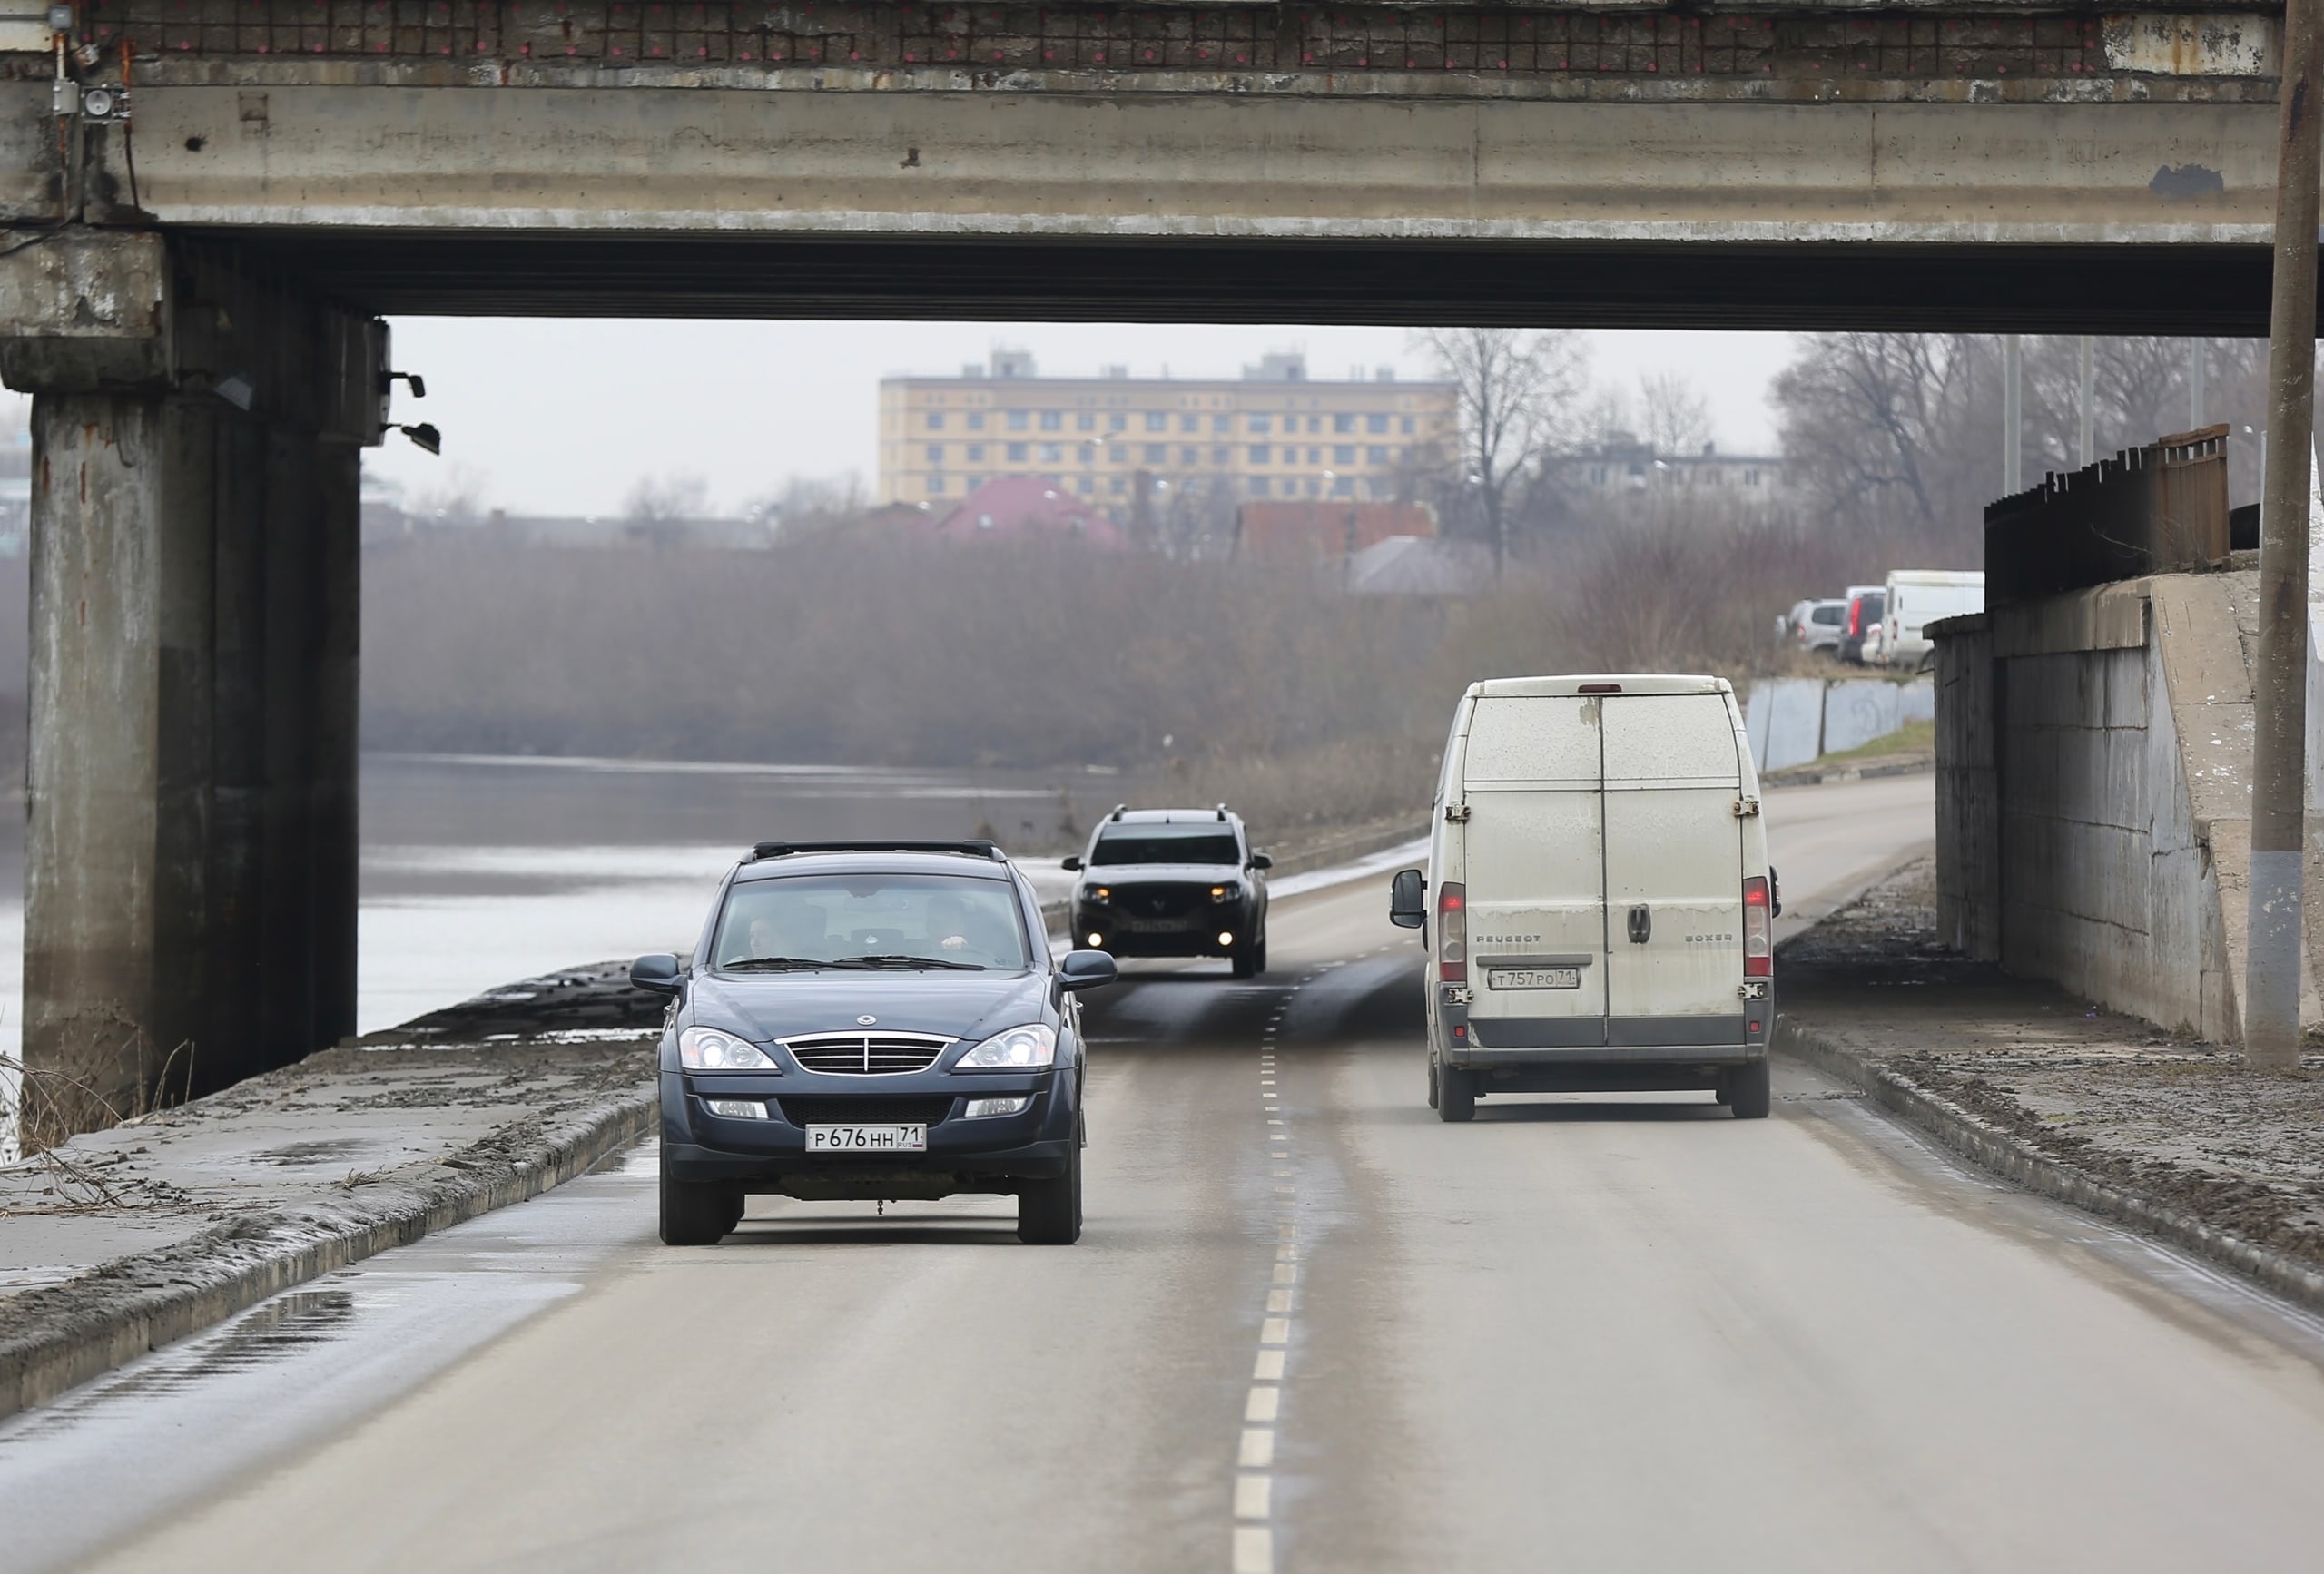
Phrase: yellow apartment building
{"type": "Point", "coordinates": [1274, 432]}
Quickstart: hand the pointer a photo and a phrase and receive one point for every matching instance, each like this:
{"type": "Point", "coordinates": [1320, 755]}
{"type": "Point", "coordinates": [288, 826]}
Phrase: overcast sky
{"type": "Point", "coordinates": [565, 416]}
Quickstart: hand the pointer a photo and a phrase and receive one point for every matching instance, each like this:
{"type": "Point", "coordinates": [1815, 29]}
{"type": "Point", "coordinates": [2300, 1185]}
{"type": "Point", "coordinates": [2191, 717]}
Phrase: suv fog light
{"type": "Point", "coordinates": [737, 1108]}
{"type": "Point", "coordinates": [1226, 937]}
{"type": "Point", "coordinates": [1097, 942]}
{"type": "Point", "coordinates": [979, 1109]}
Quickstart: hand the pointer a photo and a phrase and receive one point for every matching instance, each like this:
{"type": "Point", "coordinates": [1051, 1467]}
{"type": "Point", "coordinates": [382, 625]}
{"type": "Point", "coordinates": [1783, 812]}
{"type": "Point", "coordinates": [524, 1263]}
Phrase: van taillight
{"type": "Point", "coordinates": [1758, 932]}
{"type": "Point", "coordinates": [1452, 932]}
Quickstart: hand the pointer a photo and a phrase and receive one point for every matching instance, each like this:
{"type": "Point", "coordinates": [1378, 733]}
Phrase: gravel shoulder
{"type": "Point", "coordinates": [2102, 1109]}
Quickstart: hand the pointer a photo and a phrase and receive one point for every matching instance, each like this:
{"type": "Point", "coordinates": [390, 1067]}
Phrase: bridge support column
{"type": "Point", "coordinates": [191, 842]}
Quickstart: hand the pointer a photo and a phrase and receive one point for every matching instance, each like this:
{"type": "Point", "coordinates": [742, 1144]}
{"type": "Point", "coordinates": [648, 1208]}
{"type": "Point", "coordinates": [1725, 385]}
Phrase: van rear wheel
{"type": "Point", "coordinates": [1456, 1094]}
{"type": "Point", "coordinates": [1747, 1091]}
{"type": "Point", "coordinates": [1431, 1082]}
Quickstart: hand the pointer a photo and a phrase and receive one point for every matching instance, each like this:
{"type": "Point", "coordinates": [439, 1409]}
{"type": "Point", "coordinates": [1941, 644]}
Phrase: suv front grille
{"type": "Point", "coordinates": [867, 1054]}
{"type": "Point", "coordinates": [839, 1109]}
{"type": "Point", "coordinates": [1154, 901]}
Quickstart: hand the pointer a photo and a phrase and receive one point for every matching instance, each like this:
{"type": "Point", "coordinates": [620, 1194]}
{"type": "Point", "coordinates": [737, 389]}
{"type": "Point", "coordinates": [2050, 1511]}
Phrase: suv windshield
{"type": "Point", "coordinates": [1166, 844]}
{"type": "Point", "coordinates": [872, 919]}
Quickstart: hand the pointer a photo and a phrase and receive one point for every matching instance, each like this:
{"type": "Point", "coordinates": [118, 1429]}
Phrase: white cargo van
{"type": "Point", "coordinates": [1917, 598]}
{"type": "Point", "coordinates": [1598, 907]}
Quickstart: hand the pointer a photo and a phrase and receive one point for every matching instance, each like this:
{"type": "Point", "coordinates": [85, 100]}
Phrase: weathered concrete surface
{"type": "Point", "coordinates": [128, 1238]}
{"type": "Point", "coordinates": [2093, 755]}
{"type": "Point", "coordinates": [2089, 1106]}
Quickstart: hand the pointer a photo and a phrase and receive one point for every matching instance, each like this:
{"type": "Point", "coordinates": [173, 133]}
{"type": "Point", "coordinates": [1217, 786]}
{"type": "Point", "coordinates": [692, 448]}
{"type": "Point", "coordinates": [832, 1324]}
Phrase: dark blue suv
{"type": "Point", "coordinates": [875, 1021]}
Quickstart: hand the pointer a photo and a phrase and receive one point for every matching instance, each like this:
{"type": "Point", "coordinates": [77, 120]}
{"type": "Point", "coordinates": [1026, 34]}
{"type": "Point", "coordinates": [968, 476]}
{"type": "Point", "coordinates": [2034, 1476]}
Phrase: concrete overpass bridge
{"type": "Point", "coordinates": [192, 292]}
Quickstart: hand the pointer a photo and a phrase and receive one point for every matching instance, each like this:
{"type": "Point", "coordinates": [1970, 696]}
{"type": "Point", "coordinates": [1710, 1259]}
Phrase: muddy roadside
{"type": "Point", "coordinates": [2103, 1109]}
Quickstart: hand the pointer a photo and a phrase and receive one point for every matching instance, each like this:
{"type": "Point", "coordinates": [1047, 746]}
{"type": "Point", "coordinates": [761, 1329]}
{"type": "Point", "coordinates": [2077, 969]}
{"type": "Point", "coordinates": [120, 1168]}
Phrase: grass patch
{"type": "Point", "coordinates": [1913, 737]}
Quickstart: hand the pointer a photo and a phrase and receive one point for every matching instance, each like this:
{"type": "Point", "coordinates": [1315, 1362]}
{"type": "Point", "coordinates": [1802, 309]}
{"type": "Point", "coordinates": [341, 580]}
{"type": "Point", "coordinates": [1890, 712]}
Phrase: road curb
{"type": "Point", "coordinates": [1996, 1151]}
{"type": "Point", "coordinates": [53, 1338]}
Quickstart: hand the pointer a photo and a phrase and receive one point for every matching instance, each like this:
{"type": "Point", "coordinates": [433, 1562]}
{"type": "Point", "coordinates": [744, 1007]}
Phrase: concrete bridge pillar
{"type": "Point", "coordinates": [190, 843]}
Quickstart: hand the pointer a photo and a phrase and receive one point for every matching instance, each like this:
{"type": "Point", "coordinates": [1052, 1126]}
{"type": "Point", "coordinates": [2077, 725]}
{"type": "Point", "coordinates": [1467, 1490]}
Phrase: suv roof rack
{"type": "Point", "coordinates": [1116, 814]}
{"type": "Point", "coordinates": [1222, 812]}
{"type": "Point", "coordinates": [764, 850]}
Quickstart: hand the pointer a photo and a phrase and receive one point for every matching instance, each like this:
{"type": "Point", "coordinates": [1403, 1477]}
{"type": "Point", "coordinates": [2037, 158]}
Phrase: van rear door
{"type": "Point", "coordinates": [1535, 866]}
{"type": "Point", "coordinates": [1674, 869]}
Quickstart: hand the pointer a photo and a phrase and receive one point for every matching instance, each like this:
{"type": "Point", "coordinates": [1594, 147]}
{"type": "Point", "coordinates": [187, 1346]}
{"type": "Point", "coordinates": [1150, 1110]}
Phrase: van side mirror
{"type": "Point", "coordinates": [1070, 863]}
{"type": "Point", "coordinates": [1775, 893]}
{"type": "Point", "coordinates": [658, 971]}
{"type": "Point", "coordinates": [1261, 860]}
{"type": "Point", "coordinates": [1407, 899]}
{"type": "Point", "coordinates": [1085, 970]}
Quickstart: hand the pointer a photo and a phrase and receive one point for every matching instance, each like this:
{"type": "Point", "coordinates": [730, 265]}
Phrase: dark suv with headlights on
{"type": "Point", "coordinates": [1173, 882]}
{"type": "Point", "coordinates": [877, 1020]}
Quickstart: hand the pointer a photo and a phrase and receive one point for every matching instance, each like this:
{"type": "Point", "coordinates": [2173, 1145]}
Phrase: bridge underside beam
{"type": "Point", "coordinates": [2220, 290]}
{"type": "Point", "coordinates": [191, 842]}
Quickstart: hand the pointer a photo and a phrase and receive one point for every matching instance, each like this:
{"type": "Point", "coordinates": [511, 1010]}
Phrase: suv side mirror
{"type": "Point", "coordinates": [658, 971]}
{"type": "Point", "coordinates": [1069, 862]}
{"type": "Point", "coordinates": [1261, 860]}
{"type": "Point", "coordinates": [1407, 902]}
{"type": "Point", "coordinates": [1085, 970]}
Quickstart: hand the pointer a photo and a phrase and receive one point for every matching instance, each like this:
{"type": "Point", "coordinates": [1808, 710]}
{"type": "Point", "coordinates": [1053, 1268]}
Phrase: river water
{"type": "Point", "coordinates": [477, 870]}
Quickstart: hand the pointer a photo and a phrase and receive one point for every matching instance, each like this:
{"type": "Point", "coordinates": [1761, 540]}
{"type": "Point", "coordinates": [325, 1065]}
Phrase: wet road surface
{"type": "Point", "coordinates": [1309, 1327]}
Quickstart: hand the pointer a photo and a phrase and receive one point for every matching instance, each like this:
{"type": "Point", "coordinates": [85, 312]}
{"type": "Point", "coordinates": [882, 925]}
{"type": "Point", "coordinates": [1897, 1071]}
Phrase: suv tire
{"type": "Point", "coordinates": [1049, 1212]}
{"type": "Point", "coordinates": [1250, 958]}
{"type": "Point", "coordinates": [697, 1212]}
{"type": "Point", "coordinates": [1749, 1092]}
{"type": "Point", "coordinates": [1431, 1082]}
{"type": "Point", "coordinates": [1456, 1094]}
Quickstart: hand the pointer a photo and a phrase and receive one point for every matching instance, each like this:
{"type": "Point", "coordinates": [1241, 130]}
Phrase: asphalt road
{"type": "Point", "coordinates": [1309, 1327]}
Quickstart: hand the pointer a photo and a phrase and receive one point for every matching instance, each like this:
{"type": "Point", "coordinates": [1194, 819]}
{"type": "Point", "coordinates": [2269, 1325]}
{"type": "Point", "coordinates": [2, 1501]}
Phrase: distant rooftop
{"type": "Point", "coordinates": [1279, 366]}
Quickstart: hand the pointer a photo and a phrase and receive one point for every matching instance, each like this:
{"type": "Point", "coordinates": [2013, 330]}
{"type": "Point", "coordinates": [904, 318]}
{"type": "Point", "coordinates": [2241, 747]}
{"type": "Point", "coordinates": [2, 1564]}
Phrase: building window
{"type": "Point", "coordinates": [1375, 423]}
{"type": "Point", "coordinates": [1315, 423]}
{"type": "Point", "coordinates": [1016, 421]}
{"type": "Point", "coordinates": [1750, 478]}
{"type": "Point", "coordinates": [1221, 425]}
{"type": "Point", "coordinates": [1017, 453]}
{"type": "Point", "coordinates": [1343, 454]}
{"type": "Point", "coordinates": [1117, 422]}
{"type": "Point", "coordinates": [1315, 455]}
{"type": "Point", "coordinates": [976, 420]}
{"type": "Point", "coordinates": [1259, 484]}
{"type": "Point", "coordinates": [1190, 423]}
{"type": "Point", "coordinates": [1053, 452]}
{"type": "Point", "coordinates": [1158, 421]}
{"type": "Point", "coordinates": [1376, 455]}
{"type": "Point", "coordinates": [1262, 425]}
{"type": "Point", "coordinates": [935, 485]}
{"type": "Point", "coordinates": [1089, 453]}
{"type": "Point", "coordinates": [1260, 453]}
{"type": "Point", "coordinates": [1314, 486]}
{"type": "Point", "coordinates": [1157, 453]}
{"type": "Point", "coordinates": [1191, 459]}
{"type": "Point", "coordinates": [1408, 426]}
{"type": "Point", "coordinates": [1118, 454]}
{"type": "Point", "coordinates": [1052, 421]}
{"type": "Point", "coordinates": [935, 453]}
{"type": "Point", "coordinates": [1221, 457]}
{"type": "Point", "coordinates": [1343, 423]}
{"type": "Point", "coordinates": [1083, 484]}
{"type": "Point", "coordinates": [976, 453]}
{"type": "Point", "coordinates": [936, 420]}
{"type": "Point", "coordinates": [1343, 486]}
{"type": "Point", "coordinates": [1087, 421]}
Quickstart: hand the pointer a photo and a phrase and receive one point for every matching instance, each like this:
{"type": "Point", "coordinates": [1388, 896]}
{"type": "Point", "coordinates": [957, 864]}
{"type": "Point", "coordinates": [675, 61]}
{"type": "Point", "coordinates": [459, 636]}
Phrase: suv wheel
{"type": "Point", "coordinates": [697, 1212]}
{"type": "Point", "coordinates": [1049, 1212]}
{"type": "Point", "coordinates": [1431, 1082]}
{"type": "Point", "coordinates": [1456, 1094]}
{"type": "Point", "coordinates": [1747, 1092]}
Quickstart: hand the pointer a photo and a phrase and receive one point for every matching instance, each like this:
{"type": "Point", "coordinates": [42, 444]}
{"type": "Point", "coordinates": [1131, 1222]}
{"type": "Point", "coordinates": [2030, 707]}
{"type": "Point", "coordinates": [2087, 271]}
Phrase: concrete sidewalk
{"type": "Point", "coordinates": [2096, 1108]}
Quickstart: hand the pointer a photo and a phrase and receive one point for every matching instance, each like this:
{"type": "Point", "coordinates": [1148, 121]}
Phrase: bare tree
{"type": "Point", "coordinates": [1894, 428]}
{"type": "Point", "coordinates": [459, 497]}
{"type": "Point", "coordinates": [658, 499]}
{"type": "Point", "coordinates": [1517, 393]}
{"type": "Point", "coordinates": [1675, 414]}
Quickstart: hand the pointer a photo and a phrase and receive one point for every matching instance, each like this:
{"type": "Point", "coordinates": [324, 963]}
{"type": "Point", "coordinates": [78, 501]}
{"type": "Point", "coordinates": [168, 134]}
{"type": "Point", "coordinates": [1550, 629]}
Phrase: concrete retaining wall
{"type": "Point", "coordinates": [2093, 813]}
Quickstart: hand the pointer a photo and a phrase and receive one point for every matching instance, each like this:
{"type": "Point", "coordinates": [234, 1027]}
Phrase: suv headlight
{"type": "Point", "coordinates": [1231, 892]}
{"type": "Point", "coordinates": [1097, 895]}
{"type": "Point", "coordinates": [709, 1049]}
{"type": "Point", "coordinates": [1026, 1048]}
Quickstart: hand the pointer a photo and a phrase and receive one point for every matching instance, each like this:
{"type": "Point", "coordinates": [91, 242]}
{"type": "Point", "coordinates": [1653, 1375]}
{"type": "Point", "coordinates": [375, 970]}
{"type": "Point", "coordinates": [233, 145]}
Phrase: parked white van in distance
{"type": "Point", "coordinates": [1598, 908]}
{"type": "Point", "coordinates": [1918, 597]}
